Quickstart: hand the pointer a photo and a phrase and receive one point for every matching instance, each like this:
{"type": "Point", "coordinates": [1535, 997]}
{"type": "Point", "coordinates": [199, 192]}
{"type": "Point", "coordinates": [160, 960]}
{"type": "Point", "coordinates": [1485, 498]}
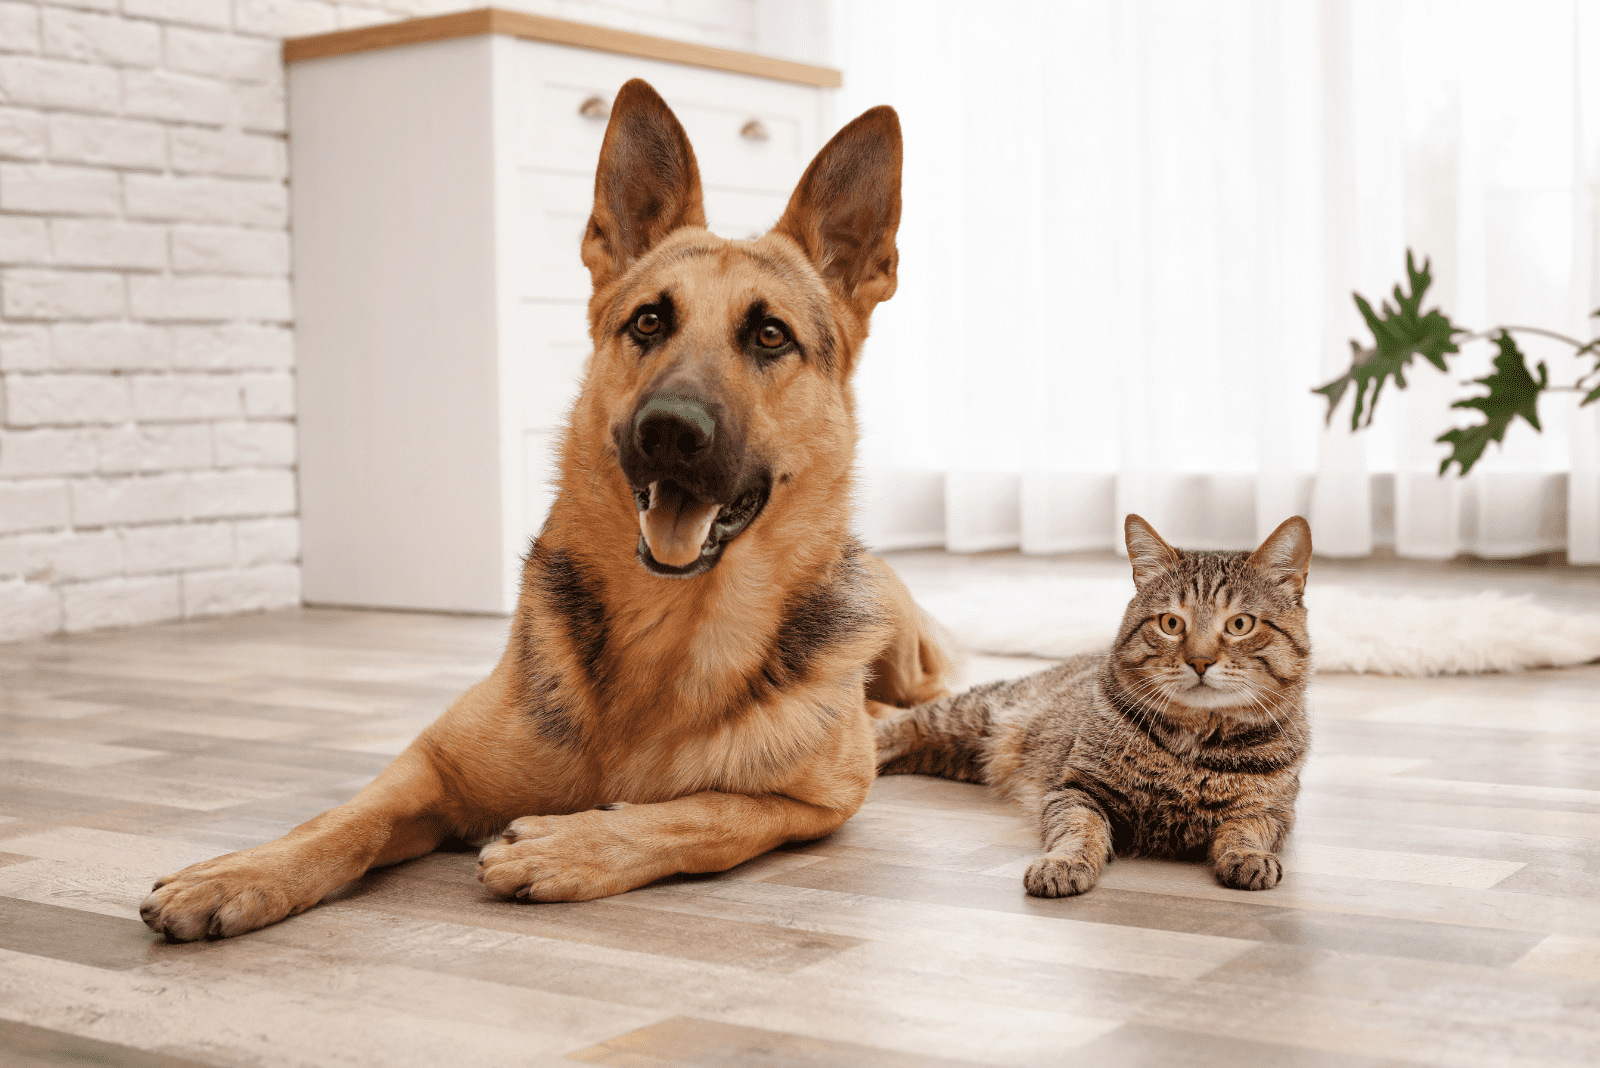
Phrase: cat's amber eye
{"type": "Point", "coordinates": [1170, 624]}
{"type": "Point", "coordinates": [1241, 624]}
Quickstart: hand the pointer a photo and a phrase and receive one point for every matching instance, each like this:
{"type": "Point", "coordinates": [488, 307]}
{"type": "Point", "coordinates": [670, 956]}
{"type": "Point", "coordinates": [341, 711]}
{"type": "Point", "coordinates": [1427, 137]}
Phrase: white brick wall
{"type": "Point", "coordinates": [147, 439]}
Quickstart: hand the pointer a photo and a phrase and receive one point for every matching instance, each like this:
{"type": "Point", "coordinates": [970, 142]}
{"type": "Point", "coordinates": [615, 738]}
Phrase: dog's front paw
{"type": "Point", "coordinates": [1061, 875]}
{"type": "Point", "coordinates": [1249, 871]}
{"type": "Point", "coordinates": [551, 858]}
{"type": "Point", "coordinates": [217, 899]}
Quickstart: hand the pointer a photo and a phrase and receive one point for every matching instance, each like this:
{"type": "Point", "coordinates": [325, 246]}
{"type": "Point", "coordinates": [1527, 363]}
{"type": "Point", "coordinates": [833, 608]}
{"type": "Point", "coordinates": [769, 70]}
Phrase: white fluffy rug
{"type": "Point", "coordinates": [1350, 631]}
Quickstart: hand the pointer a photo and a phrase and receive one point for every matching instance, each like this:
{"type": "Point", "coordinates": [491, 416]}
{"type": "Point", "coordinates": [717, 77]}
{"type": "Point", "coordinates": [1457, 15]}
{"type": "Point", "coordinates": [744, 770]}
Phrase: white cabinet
{"type": "Point", "coordinates": [439, 193]}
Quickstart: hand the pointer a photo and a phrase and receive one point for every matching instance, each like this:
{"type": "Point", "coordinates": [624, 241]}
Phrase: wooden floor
{"type": "Point", "coordinates": [1441, 907]}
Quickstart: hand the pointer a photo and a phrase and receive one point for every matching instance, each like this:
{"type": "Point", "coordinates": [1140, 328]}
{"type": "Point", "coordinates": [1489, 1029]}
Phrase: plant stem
{"type": "Point", "coordinates": [1574, 342]}
{"type": "Point", "coordinates": [1579, 347]}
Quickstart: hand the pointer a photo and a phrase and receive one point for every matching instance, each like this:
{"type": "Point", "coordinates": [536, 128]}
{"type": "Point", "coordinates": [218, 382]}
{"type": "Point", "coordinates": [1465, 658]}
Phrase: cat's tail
{"type": "Point", "coordinates": [948, 738]}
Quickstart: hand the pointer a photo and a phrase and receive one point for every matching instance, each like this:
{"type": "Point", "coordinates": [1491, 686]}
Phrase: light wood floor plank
{"type": "Point", "coordinates": [38, 1047]}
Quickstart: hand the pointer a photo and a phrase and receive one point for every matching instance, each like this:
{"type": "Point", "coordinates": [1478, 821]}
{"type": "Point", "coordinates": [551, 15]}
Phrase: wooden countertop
{"type": "Point", "coordinates": [555, 31]}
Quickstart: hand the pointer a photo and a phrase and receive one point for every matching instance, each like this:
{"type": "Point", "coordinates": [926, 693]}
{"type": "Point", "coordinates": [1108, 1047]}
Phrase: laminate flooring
{"type": "Point", "coordinates": [1441, 904]}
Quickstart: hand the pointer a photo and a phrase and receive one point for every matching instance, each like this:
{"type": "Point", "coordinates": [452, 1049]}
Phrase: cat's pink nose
{"type": "Point", "coordinates": [1200, 663]}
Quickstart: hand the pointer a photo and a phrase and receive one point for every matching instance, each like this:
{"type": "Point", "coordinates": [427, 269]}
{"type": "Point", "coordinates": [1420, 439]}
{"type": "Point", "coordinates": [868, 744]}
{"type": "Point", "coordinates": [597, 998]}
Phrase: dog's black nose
{"type": "Point", "coordinates": [672, 427]}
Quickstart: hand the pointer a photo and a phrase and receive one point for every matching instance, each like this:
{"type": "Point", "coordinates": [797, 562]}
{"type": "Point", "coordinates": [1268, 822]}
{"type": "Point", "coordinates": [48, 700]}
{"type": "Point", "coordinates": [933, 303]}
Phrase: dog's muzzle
{"type": "Point", "coordinates": [683, 459]}
{"type": "Point", "coordinates": [696, 532]}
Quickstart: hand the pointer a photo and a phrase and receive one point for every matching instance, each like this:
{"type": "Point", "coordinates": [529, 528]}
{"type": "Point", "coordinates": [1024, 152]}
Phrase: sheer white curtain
{"type": "Point", "coordinates": [1131, 231]}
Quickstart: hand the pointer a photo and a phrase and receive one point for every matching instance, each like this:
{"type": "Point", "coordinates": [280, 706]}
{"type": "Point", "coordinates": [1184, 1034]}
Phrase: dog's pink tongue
{"type": "Point", "coordinates": [675, 525]}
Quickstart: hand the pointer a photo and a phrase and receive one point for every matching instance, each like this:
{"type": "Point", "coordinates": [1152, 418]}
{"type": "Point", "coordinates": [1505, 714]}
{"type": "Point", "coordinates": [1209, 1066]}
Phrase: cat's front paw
{"type": "Point", "coordinates": [1061, 875]}
{"type": "Point", "coordinates": [1249, 871]}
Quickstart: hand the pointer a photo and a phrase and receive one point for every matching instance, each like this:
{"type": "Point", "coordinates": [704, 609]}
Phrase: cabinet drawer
{"type": "Point", "coordinates": [552, 84]}
{"type": "Point", "coordinates": [729, 159]}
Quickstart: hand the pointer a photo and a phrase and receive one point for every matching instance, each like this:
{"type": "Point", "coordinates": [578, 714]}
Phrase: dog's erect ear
{"type": "Point", "coordinates": [1286, 554]}
{"type": "Point", "coordinates": [845, 211]}
{"type": "Point", "coordinates": [1150, 555]}
{"type": "Point", "coordinates": [647, 184]}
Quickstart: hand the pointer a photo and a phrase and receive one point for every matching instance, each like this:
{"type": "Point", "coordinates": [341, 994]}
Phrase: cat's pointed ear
{"type": "Point", "coordinates": [1286, 554]}
{"type": "Point", "coordinates": [846, 210]}
{"type": "Point", "coordinates": [646, 185]}
{"type": "Point", "coordinates": [1151, 557]}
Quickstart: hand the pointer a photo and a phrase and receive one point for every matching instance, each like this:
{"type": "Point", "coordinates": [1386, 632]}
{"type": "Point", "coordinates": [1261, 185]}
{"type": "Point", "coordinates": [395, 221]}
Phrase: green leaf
{"type": "Point", "coordinates": [1512, 392]}
{"type": "Point", "coordinates": [1594, 395]}
{"type": "Point", "coordinates": [1334, 390]}
{"type": "Point", "coordinates": [1399, 332]}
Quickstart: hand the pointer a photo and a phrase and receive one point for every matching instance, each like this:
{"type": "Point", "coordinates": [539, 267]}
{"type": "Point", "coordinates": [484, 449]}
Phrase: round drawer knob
{"type": "Point", "coordinates": [595, 108]}
{"type": "Point", "coordinates": [754, 130]}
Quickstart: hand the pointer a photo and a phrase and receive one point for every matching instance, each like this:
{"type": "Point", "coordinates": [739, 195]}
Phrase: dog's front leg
{"type": "Point", "coordinates": [393, 819]}
{"type": "Point", "coordinates": [608, 851]}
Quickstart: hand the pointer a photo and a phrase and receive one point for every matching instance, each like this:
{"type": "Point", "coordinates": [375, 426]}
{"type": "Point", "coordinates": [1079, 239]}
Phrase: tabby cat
{"type": "Point", "coordinates": [1185, 740]}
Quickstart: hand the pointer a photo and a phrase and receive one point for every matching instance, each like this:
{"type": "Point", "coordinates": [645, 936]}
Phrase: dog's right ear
{"type": "Point", "coordinates": [846, 209]}
{"type": "Point", "coordinates": [646, 186]}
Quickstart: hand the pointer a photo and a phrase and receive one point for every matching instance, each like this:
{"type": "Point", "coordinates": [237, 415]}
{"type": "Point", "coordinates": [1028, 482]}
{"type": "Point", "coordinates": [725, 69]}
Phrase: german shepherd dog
{"type": "Point", "coordinates": [699, 643]}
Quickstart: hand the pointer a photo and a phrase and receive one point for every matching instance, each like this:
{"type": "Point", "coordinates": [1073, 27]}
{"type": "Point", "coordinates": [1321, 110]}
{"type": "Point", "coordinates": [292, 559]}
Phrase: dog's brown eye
{"type": "Point", "coordinates": [1171, 624]}
{"type": "Point", "coordinates": [1241, 624]}
{"type": "Point", "coordinates": [771, 335]}
{"type": "Point", "coordinates": [647, 323]}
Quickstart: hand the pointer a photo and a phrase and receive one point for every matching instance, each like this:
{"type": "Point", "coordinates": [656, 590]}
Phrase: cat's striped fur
{"type": "Point", "coordinates": [1185, 740]}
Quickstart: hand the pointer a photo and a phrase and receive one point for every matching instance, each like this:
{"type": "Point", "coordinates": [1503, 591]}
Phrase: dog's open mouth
{"type": "Point", "coordinates": [681, 535]}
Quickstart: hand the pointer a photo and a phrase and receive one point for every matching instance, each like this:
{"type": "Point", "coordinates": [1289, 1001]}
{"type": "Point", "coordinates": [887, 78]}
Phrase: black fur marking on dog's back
{"type": "Point", "coordinates": [817, 618]}
{"type": "Point", "coordinates": [575, 597]}
{"type": "Point", "coordinates": [541, 701]}
{"type": "Point", "coordinates": [538, 692]}
{"type": "Point", "coordinates": [826, 615]}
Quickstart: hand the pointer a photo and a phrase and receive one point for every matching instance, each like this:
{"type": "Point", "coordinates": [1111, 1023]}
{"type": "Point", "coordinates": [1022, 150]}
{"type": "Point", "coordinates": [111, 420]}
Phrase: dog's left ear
{"type": "Point", "coordinates": [845, 211]}
{"type": "Point", "coordinates": [646, 185]}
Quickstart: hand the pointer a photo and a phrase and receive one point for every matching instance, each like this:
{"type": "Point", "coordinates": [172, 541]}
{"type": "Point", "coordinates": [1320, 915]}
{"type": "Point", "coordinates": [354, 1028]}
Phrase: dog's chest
{"type": "Point", "coordinates": [751, 753]}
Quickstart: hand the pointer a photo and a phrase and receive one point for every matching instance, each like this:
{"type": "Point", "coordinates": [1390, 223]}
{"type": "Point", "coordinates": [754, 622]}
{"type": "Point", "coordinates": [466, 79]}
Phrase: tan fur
{"type": "Point", "coordinates": [916, 666]}
{"type": "Point", "coordinates": [713, 717]}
